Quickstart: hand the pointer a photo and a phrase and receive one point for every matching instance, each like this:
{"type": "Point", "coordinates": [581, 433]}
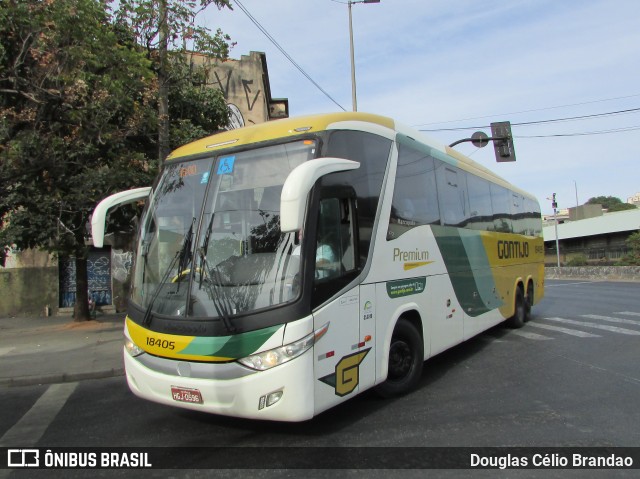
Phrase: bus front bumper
{"type": "Point", "coordinates": [283, 393]}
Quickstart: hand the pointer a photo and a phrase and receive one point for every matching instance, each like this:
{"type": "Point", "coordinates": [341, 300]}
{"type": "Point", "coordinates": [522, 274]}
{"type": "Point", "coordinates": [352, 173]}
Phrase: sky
{"type": "Point", "coordinates": [439, 65]}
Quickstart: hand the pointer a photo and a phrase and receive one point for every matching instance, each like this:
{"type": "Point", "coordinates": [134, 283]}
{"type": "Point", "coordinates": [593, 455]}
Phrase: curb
{"type": "Point", "coordinates": [61, 378]}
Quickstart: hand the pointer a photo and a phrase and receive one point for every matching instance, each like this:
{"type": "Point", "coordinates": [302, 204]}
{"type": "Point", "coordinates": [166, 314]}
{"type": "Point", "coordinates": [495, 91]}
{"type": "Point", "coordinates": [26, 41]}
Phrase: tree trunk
{"type": "Point", "coordinates": [163, 88]}
{"type": "Point", "coordinates": [81, 309]}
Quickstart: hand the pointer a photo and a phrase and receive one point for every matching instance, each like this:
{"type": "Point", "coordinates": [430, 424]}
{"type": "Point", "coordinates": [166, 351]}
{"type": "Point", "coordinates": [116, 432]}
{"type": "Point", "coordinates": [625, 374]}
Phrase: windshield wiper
{"type": "Point", "coordinates": [220, 298]}
{"type": "Point", "coordinates": [204, 248]}
{"type": "Point", "coordinates": [184, 256]}
{"type": "Point", "coordinates": [215, 288]}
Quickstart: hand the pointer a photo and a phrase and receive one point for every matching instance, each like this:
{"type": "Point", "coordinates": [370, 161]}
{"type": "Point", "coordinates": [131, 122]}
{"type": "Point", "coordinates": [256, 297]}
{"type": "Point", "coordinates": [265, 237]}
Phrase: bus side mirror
{"type": "Point", "coordinates": [298, 184]}
{"type": "Point", "coordinates": [100, 213]}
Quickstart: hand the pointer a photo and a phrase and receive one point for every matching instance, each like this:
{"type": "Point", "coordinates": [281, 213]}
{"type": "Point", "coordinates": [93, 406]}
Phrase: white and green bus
{"type": "Point", "coordinates": [285, 267]}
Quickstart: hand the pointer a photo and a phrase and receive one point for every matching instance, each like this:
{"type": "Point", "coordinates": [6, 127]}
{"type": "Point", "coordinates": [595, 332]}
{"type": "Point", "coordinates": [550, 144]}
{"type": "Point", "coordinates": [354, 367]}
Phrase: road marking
{"type": "Point", "coordinates": [572, 284]}
{"type": "Point", "coordinates": [613, 320]}
{"type": "Point", "coordinates": [613, 329]}
{"type": "Point", "coordinates": [572, 332]}
{"type": "Point", "coordinates": [6, 350]}
{"type": "Point", "coordinates": [530, 335]}
{"type": "Point", "coordinates": [30, 428]}
{"type": "Point", "coordinates": [628, 313]}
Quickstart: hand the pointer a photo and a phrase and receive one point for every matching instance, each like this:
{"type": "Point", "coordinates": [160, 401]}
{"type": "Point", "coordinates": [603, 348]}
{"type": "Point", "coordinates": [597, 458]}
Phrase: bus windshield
{"type": "Point", "coordinates": [210, 243]}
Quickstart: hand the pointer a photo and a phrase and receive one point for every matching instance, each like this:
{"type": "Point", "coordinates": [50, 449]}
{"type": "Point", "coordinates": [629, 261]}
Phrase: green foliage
{"type": "Point", "coordinates": [610, 203]}
{"type": "Point", "coordinates": [577, 260]}
{"type": "Point", "coordinates": [196, 111]}
{"type": "Point", "coordinates": [143, 18]}
{"type": "Point", "coordinates": [79, 112]}
{"type": "Point", "coordinates": [633, 257]}
{"type": "Point", "coordinates": [75, 104]}
{"type": "Point", "coordinates": [163, 26]}
{"type": "Point", "coordinates": [622, 207]}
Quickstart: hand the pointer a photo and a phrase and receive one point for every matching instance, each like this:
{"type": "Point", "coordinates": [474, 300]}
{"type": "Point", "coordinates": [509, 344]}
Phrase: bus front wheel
{"type": "Point", "coordinates": [406, 355]}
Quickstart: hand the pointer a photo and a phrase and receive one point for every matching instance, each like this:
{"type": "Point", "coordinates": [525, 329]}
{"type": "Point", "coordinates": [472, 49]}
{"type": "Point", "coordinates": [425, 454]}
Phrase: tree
{"type": "Point", "coordinates": [632, 258]}
{"type": "Point", "coordinates": [165, 28]}
{"type": "Point", "coordinates": [74, 124]}
{"type": "Point", "coordinates": [610, 203]}
{"type": "Point", "coordinates": [79, 120]}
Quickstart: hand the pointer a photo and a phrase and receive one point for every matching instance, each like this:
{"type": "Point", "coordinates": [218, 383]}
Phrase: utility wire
{"type": "Point", "coordinates": [293, 62]}
{"type": "Point", "coordinates": [540, 122]}
{"type": "Point", "coordinates": [586, 133]}
{"type": "Point", "coordinates": [530, 111]}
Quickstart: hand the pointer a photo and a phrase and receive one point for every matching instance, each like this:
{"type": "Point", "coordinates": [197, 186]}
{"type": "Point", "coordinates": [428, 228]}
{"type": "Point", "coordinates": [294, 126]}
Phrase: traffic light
{"type": "Point", "coordinates": [554, 203]}
{"type": "Point", "coordinates": [503, 141]}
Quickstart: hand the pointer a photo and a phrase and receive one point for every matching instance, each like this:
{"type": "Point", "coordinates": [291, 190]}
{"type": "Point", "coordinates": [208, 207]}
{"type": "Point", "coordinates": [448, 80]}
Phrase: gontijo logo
{"type": "Point", "coordinates": [513, 249]}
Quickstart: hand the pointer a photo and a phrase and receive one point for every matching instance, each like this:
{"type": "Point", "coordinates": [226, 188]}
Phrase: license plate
{"type": "Point", "coordinates": [186, 395]}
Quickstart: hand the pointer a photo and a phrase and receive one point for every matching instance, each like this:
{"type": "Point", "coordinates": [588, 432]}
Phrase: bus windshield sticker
{"type": "Point", "coordinates": [205, 178]}
{"type": "Point", "coordinates": [188, 171]}
{"type": "Point", "coordinates": [226, 165]}
{"type": "Point", "coordinates": [406, 287]}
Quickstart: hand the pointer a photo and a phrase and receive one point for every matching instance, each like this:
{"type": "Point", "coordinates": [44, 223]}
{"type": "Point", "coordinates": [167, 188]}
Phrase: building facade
{"type": "Point", "coordinates": [600, 240]}
{"type": "Point", "coordinates": [245, 86]}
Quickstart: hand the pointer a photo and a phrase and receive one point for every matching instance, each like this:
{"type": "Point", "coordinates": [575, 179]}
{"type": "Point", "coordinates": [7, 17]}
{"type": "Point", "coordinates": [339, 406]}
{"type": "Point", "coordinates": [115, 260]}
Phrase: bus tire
{"type": "Point", "coordinates": [528, 303]}
{"type": "Point", "coordinates": [406, 356]}
{"type": "Point", "coordinates": [519, 315]}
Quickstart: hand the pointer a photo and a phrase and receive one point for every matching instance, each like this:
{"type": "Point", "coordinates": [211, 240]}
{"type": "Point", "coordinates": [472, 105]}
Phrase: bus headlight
{"type": "Point", "coordinates": [132, 348]}
{"type": "Point", "coordinates": [274, 357]}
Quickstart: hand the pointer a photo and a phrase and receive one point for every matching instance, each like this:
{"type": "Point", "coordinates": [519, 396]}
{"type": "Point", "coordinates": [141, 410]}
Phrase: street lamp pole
{"type": "Point", "coordinates": [354, 100]}
{"type": "Point", "coordinates": [554, 205]}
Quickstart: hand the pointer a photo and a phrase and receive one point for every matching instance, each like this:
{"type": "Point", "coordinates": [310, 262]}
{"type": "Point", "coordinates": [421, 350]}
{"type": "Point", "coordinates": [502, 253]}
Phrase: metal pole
{"type": "Point", "coordinates": [354, 101]}
{"type": "Point", "coordinates": [555, 217]}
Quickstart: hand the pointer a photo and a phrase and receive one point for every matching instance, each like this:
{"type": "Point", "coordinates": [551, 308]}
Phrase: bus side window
{"type": "Point", "coordinates": [452, 195]}
{"type": "Point", "coordinates": [415, 197]}
{"type": "Point", "coordinates": [335, 261]}
{"type": "Point", "coordinates": [334, 249]}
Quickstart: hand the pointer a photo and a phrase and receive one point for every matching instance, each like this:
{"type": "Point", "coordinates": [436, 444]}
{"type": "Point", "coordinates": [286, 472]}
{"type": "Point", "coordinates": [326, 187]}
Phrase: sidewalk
{"type": "Point", "coordinates": [57, 349]}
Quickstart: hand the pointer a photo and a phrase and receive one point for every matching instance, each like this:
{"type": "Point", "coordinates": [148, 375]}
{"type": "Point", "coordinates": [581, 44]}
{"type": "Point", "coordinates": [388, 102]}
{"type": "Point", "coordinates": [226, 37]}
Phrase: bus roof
{"type": "Point", "coordinates": [288, 127]}
{"type": "Point", "coordinates": [291, 127]}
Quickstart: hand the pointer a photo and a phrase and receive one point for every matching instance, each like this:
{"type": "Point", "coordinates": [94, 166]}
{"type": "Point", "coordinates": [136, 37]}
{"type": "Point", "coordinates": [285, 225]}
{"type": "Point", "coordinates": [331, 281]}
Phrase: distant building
{"type": "Point", "coordinates": [634, 200]}
{"type": "Point", "coordinates": [585, 212]}
{"type": "Point", "coordinates": [562, 215]}
{"type": "Point", "coordinates": [600, 239]}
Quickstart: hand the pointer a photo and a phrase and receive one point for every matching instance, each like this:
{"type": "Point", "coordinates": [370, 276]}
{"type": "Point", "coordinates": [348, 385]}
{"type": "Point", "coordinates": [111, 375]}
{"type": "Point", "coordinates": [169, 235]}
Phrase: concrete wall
{"type": "Point", "coordinates": [28, 283]}
{"type": "Point", "coordinates": [26, 291]}
{"type": "Point", "coordinates": [602, 273]}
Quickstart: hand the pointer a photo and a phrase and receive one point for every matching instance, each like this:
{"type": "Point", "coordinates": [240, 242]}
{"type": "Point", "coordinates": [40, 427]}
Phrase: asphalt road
{"type": "Point", "coordinates": [569, 378]}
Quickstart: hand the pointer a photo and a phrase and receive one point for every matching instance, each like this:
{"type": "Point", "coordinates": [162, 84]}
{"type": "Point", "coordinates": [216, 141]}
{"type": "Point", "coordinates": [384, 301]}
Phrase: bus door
{"type": "Point", "coordinates": [342, 354]}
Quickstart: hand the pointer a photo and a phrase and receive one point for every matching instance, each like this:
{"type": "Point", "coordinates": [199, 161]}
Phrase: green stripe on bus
{"type": "Point", "coordinates": [236, 346]}
{"type": "Point", "coordinates": [481, 268]}
{"type": "Point", "coordinates": [460, 269]}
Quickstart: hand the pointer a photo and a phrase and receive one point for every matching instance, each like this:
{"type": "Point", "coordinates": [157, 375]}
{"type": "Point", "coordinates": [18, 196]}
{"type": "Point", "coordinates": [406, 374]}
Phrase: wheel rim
{"type": "Point", "coordinates": [400, 360]}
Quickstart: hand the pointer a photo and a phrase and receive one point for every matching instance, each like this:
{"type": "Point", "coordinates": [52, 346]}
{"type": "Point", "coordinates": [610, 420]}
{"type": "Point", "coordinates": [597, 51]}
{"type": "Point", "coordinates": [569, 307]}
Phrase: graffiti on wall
{"type": "Point", "coordinates": [225, 86]}
{"type": "Point", "coordinates": [241, 96]}
{"type": "Point", "coordinates": [98, 278]}
{"type": "Point", "coordinates": [121, 266]}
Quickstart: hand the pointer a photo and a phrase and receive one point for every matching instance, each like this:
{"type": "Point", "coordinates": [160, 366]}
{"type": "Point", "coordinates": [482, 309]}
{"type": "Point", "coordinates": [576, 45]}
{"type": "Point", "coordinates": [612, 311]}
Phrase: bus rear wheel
{"type": "Point", "coordinates": [528, 302]}
{"type": "Point", "coordinates": [406, 355]}
{"type": "Point", "coordinates": [520, 314]}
